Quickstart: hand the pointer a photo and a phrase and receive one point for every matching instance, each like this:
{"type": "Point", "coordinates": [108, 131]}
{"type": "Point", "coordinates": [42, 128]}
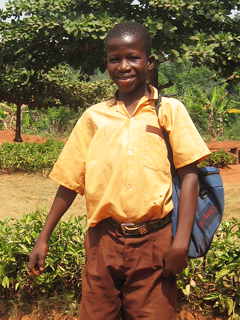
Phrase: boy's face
{"type": "Point", "coordinates": [127, 63]}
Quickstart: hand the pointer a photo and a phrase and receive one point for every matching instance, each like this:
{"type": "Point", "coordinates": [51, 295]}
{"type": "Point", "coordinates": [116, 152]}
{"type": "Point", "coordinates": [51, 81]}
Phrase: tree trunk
{"type": "Point", "coordinates": [211, 130]}
{"type": "Point", "coordinates": [220, 125]}
{"type": "Point", "coordinates": [153, 77]}
{"type": "Point", "coordinates": [18, 125]}
{"type": "Point", "coordinates": [153, 80]}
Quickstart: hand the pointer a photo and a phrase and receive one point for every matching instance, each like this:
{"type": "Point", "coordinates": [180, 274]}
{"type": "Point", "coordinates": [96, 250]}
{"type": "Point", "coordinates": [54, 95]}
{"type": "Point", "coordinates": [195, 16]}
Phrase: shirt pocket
{"type": "Point", "coordinates": [155, 150]}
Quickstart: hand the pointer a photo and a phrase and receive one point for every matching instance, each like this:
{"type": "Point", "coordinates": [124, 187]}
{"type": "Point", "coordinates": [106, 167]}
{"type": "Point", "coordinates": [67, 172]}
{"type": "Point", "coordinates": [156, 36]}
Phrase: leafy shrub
{"type": "Point", "coordinates": [199, 117]}
{"type": "Point", "coordinates": [49, 122]}
{"type": "Point", "coordinates": [232, 132]}
{"type": "Point", "coordinates": [216, 284]}
{"type": "Point", "coordinates": [212, 285]}
{"type": "Point", "coordinates": [29, 157]}
{"type": "Point", "coordinates": [64, 262]}
{"type": "Point", "coordinates": [218, 159]}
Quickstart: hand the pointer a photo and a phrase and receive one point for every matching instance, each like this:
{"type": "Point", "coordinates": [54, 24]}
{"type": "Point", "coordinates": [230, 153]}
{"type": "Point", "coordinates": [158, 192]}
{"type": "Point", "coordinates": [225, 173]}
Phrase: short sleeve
{"type": "Point", "coordinates": [186, 142]}
{"type": "Point", "coordinates": [69, 170]}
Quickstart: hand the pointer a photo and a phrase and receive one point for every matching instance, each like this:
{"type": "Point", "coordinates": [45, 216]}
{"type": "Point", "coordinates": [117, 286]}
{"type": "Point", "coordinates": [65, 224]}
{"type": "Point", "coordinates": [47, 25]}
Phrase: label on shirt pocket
{"type": "Point", "coordinates": [155, 150]}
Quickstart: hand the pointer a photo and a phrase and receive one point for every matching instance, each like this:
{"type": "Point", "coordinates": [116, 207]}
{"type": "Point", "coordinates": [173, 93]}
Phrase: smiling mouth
{"type": "Point", "coordinates": [125, 78]}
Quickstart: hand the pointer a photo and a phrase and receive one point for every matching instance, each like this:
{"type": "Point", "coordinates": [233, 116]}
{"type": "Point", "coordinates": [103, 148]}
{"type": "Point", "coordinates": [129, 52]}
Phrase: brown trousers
{"type": "Point", "coordinates": [122, 276]}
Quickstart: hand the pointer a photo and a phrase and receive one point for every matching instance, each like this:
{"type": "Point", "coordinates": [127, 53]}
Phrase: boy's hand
{"type": "Point", "coordinates": [37, 258]}
{"type": "Point", "coordinates": [175, 261]}
{"type": "Point", "coordinates": [63, 200]}
{"type": "Point", "coordinates": [176, 258]}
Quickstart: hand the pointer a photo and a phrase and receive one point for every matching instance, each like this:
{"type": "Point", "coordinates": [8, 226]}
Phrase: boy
{"type": "Point", "coordinates": [117, 157]}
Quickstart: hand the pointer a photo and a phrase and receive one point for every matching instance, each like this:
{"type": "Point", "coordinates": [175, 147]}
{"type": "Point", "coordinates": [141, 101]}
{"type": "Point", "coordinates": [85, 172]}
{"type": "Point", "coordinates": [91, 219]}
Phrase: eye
{"type": "Point", "coordinates": [113, 60]}
{"type": "Point", "coordinates": [133, 58]}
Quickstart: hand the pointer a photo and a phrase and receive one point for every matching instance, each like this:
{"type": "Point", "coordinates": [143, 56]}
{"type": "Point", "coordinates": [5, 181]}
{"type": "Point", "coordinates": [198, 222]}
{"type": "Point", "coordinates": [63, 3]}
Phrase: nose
{"type": "Point", "coordinates": [124, 65]}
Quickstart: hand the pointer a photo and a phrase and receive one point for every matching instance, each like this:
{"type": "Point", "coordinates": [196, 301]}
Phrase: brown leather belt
{"type": "Point", "coordinates": [140, 229]}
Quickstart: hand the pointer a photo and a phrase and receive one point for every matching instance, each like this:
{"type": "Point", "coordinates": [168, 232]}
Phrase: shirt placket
{"type": "Point", "coordinates": [130, 166]}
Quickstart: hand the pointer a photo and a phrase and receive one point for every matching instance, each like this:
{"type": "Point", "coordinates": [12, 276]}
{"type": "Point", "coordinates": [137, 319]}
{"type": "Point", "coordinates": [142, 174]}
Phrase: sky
{"type": "Point", "coordinates": [2, 4]}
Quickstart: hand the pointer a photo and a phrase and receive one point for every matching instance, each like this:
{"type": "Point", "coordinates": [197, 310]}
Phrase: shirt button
{"type": "Point", "coordinates": [132, 119]}
{"type": "Point", "coordinates": [130, 151]}
{"type": "Point", "coordinates": [129, 186]}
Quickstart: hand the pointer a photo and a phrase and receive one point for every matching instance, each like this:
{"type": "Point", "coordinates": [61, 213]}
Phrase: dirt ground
{"type": "Point", "coordinates": [21, 193]}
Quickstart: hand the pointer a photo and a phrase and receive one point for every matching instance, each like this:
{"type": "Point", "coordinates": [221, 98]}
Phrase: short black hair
{"type": "Point", "coordinates": [134, 29]}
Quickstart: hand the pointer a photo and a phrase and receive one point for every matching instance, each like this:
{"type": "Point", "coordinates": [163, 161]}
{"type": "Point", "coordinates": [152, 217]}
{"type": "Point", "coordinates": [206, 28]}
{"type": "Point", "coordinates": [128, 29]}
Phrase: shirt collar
{"type": "Point", "coordinates": [153, 95]}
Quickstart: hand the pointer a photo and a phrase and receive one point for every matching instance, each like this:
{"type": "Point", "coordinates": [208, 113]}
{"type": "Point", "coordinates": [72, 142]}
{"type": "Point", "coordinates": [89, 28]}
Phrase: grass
{"type": "Point", "coordinates": [232, 201]}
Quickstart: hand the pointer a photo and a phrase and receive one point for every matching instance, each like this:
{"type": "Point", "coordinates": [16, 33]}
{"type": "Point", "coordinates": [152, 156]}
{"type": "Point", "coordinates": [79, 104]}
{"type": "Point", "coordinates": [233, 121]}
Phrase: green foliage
{"type": "Point", "coordinates": [64, 262]}
{"type": "Point", "coordinates": [203, 32]}
{"type": "Point", "coordinates": [49, 122]}
{"type": "Point", "coordinates": [65, 89]}
{"type": "Point", "coordinates": [7, 115]}
{"type": "Point", "coordinates": [39, 35]}
{"type": "Point", "coordinates": [185, 75]}
{"type": "Point", "coordinates": [62, 99]}
{"type": "Point", "coordinates": [232, 132]}
{"type": "Point", "coordinates": [29, 157]}
{"type": "Point", "coordinates": [200, 93]}
{"type": "Point", "coordinates": [217, 106]}
{"type": "Point", "coordinates": [216, 282]}
{"type": "Point", "coordinates": [199, 117]}
{"type": "Point", "coordinates": [60, 86]}
{"type": "Point", "coordinates": [218, 159]}
{"type": "Point", "coordinates": [48, 46]}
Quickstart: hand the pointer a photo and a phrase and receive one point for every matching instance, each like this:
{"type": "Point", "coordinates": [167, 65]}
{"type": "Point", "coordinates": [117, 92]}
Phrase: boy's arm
{"type": "Point", "coordinates": [63, 200]}
{"type": "Point", "coordinates": [176, 258]}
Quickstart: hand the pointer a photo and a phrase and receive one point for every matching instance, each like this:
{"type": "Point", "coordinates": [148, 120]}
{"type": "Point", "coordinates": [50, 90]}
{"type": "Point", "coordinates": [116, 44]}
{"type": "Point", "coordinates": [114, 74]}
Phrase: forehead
{"type": "Point", "coordinates": [125, 43]}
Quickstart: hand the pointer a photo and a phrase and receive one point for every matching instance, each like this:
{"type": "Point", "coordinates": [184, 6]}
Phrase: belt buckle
{"type": "Point", "coordinates": [142, 228]}
{"type": "Point", "coordinates": [124, 231]}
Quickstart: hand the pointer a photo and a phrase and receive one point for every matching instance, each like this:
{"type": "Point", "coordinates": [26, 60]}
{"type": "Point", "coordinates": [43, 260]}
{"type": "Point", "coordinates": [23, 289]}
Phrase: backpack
{"type": "Point", "coordinates": [209, 208]}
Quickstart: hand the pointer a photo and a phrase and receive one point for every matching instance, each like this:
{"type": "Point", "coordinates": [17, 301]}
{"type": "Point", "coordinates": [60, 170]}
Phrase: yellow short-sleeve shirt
{"type": "Point", "coordinates": [120, 161]}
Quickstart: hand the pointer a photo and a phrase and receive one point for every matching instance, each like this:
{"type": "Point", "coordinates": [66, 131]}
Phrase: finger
{"type": "Point", "coordinates": [31, 265]}
{"type": "Point", "coordinates": [32, 261]}
{"type": "Point", "coordinates": [35, 272]}
{"type": "Point", "coordinates": [41, 264]}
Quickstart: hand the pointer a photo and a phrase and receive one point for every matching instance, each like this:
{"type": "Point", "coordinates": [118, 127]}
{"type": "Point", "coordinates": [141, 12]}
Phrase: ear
{"type": "Point", "coordinates": [151, 62]}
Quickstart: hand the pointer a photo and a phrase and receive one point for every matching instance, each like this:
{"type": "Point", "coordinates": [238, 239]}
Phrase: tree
{"type": "Point", "coordinates": [36, 89]}
{"type": "Point", "coordinates": [184, 75]}
{"type": "Point", "coordinates": [37, 36]}
{"type": "Point", "coordinates": [44, 33]}
{"type": "Point", "coordinates": [203, 32]}
{"type": "Point", "coordinates": [60, 86]}
{"type": "Point", "coordinates": [217, 105]}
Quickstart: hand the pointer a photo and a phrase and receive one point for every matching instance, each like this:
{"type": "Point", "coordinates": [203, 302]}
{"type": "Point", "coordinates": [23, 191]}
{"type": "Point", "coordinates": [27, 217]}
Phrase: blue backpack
{"type": "Point", "coordinates": [209, 209]}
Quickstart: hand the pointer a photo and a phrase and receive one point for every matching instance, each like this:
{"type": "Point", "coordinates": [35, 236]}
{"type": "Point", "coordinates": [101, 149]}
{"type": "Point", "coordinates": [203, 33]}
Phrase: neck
{"type": "Point", "coordinates": [131, 99]}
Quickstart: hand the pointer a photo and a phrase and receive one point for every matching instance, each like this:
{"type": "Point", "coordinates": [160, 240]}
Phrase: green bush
{"type": "Point", "coordinates": [199, 117]}
{"type": "Point", "coordinates": [29, 157]}
{"type": "Point", "coordinates": [232, 132]}
{"type": "Point", "coordinates": [218, 159]}
{"type": "Point", "coordinates": [64, 262]}
{"type": "Point", "coordinates": [49, 122]}
{"type": "Point", "coordinates": [216, 282]}
{"type": "Point", "coordinates": [213, 285]}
